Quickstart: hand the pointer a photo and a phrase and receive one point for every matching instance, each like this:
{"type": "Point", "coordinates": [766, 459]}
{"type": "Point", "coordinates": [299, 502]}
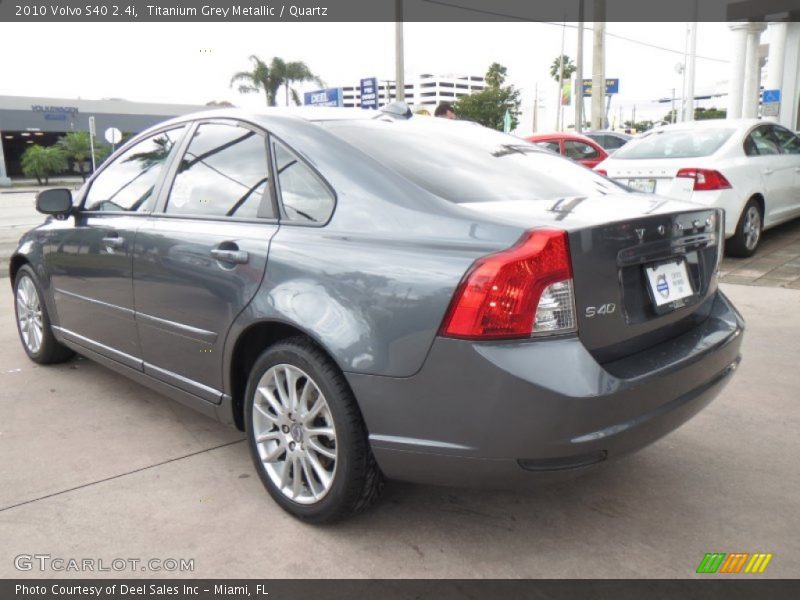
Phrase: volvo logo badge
{"type": "Point", "coordinates": [662, 286]}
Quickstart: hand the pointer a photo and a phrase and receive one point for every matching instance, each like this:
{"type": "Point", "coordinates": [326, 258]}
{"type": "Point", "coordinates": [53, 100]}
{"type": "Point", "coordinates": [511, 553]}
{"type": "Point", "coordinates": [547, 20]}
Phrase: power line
{"type": "Point", "coordinates": [527, 20]}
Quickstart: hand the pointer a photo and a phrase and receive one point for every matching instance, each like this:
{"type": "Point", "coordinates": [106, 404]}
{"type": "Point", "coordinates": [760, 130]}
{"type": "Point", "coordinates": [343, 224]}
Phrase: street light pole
{"type": "Point", "coordinates": [399, 67]}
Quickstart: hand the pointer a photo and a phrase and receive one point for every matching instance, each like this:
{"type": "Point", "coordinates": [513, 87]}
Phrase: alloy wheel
{"type": "Point", "coordinates": [29, 315]}
{"type": "Point", "coordinates": [295, 434]}
{"type": "Point", "coordinates": [752, 227]}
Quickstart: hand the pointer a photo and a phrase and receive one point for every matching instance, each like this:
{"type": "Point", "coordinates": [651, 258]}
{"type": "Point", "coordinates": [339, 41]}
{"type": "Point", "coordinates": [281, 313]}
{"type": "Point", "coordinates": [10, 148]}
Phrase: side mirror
{"type": "Point", "coordinates": [54, 202]}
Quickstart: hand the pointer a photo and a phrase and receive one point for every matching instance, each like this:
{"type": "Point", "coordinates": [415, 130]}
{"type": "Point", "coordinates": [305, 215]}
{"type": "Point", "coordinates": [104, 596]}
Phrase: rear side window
{"type": "Point", "coordinates": [579, 150]}
{"type": "Point", "coordinates": [304, 197]}
{"type": "Point", "coordinates": [760, 143]}
{"type": "Point", "coordinates": [224, 173]}
{"type": "Point", "coordinates": [788, 142]}
{"type": "Point", "coordinates": [128, 183]}
{"type": "Point", "coordinates": [463, 162]}
{"type": "Point", "coordinates": [676, 143]}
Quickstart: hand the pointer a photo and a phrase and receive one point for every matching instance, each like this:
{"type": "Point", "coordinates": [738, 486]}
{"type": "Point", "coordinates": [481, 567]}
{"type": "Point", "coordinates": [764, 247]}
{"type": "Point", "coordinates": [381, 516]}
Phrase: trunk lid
{"type": "Point", "coordinates": [654, 176]}
{"type": "Point", "coordinates": [613, 240]}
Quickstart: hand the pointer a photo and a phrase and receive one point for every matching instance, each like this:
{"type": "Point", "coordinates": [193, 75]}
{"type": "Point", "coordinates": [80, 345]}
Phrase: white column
{"type": "Point", "coordinates": [736, 84]}
{"type": "Point", "coordinates": [4, 180]}
{"type": "Point", "coordinates": [775, 60]}
{"type": "Point", "coordinates": [752, 71]}
{"type": "Point", "coordinates": [688, 114]}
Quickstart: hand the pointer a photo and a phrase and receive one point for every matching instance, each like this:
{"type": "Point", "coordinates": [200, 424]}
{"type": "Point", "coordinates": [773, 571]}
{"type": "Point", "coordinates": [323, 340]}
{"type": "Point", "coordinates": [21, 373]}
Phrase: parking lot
{"type": "Point", "coordinates": [95, 466]}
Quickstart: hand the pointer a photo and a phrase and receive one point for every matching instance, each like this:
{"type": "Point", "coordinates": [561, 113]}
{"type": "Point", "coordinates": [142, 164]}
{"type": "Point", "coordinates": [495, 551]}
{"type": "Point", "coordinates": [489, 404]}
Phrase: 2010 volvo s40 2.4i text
{"type": "Point", "coordinates": [372, 294]}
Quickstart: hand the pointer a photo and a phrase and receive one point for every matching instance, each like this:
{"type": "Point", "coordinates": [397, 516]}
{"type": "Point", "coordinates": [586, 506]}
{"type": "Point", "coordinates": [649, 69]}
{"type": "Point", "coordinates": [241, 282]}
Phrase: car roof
{"type": "Point", "coordinates": [559, 135]}
{"type": "Point", "coordinates": [712, 124]}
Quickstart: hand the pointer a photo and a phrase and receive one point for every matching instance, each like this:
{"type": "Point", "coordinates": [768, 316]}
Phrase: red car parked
{"type": "Point", "coordinates": [574, 146]}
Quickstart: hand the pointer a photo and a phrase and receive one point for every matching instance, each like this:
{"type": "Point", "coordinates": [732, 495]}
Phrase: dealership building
{"type": "Point", "coordinates": [26, 120]}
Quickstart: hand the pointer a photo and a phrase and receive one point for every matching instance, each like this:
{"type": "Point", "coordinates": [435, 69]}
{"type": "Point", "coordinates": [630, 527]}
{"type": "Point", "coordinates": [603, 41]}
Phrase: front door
{"type": "Point", "coordinates": [89, 255]}
{"type": "Point", "coordinates": [200, 259]}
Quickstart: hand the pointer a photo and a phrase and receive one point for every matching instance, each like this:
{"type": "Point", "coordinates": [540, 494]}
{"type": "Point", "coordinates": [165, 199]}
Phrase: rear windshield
{"type": "Point", "coordinates": [676, 143]}
{"type": "Point", "coordinates": [464, 162]}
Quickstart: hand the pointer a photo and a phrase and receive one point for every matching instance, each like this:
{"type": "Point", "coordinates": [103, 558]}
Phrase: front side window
{"type": "Point", "coordinates": [304, 197]}
{"type": "Point", "coordinates": [224, 173]}
{"type": "Point", "coordinates": [128, 183]}
{"type": "Point", "coordinates": [579, 150]}
{"type": "Point", "coordinates": [552, 146]}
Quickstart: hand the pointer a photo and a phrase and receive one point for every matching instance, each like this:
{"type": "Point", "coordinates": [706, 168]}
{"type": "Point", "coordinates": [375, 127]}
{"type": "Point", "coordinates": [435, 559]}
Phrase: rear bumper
{"type": "Point", "coordinates": [507, 413]}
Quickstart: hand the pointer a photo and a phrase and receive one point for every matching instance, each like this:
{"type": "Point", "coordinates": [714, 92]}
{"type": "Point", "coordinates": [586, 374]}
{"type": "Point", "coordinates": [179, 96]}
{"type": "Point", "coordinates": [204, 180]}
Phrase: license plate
{"type": "Point", "coordinates": [647, 186]}
{"type": "Point", "coordinates": [668, 282]}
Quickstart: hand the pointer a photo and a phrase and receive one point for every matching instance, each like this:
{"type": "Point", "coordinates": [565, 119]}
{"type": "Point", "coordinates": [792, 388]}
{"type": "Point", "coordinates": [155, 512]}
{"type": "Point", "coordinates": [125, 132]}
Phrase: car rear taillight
{"type": "Point", "coordinates": [705, 179]}
{"type": "Point", "coordinates": [602, 172]}
{"type": "Point", "coordinates": [521, 292]}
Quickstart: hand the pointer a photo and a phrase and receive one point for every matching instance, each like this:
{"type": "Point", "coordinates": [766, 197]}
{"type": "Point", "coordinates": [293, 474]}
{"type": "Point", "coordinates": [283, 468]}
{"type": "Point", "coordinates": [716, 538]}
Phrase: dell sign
{"type": "Point", "coordinates": [327, 97]}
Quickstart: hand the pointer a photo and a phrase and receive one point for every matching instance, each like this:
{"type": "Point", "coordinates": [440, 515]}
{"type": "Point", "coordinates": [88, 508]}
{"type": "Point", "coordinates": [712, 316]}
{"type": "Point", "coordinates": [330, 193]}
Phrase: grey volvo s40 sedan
{"type": "Point", "coordinates": [375, 295]}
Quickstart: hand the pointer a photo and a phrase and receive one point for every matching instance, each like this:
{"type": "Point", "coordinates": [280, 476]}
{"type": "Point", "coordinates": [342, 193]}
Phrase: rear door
{"type": "Point", "coordinates": [789, 146]}
{"type": "Point", "coordinates": [776, 170]}
{"type": "Point", "coordinates": [200, 258]}
{"type": "Point", "coordinates": [89, 255]}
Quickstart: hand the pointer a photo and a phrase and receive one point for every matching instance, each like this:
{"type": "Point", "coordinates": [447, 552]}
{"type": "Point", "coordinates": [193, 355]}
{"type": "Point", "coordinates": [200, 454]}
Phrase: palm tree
{"type": "Point", "coordinates": [270, 78]}
{"type": "Point", "coordinates": [569, 67]}
{"type": "Point", "coordinates": [76, 147]}
{"type": "Point", "coordinates": [297, 72]}
{"type": "Point", "coordinates": [259, 79]}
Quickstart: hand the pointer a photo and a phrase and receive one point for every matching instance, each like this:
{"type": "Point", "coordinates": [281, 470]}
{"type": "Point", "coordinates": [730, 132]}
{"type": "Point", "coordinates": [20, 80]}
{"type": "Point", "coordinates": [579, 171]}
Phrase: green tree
{"type": "Point", "coordinates": [700, 114]}
{"type": "Point", "coordinates": [489, 106]}
{"type": "Point", "coordinates": [258, 80]}
{"type": "Point", "coordinates": [639, 126]}
{"type": "Point", "coordinates": [270, 77]}
{"type": "Point", "coordinates": [76, 147]}
{"type": "Point", "coordinates": [297, 72]}
{"type": "Point", "coordinates": [42, 161]}
{"type": "Point", "coordinates": [568, 68]}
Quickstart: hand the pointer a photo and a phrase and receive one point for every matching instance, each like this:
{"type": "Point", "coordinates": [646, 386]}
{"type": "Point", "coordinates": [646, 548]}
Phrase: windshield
{"type": "Point", "coordinates": [464, 162]}
{"type": "Point", "coordinates": [675, 143]}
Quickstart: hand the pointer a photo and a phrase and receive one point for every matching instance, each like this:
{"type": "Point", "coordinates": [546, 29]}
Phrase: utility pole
{"type": "Point", "coordinates": [536, 107]}
{"type": "Point", "coordinates": [399, 67]}
{"type": "Point", "coordinates": [688, 114]}
{"type": "Point", "coordinates": [599, 65]}
{"type": "Point", "coordinates": [578, 91]}
{"type": "Point", "coordinates": [633, 118]}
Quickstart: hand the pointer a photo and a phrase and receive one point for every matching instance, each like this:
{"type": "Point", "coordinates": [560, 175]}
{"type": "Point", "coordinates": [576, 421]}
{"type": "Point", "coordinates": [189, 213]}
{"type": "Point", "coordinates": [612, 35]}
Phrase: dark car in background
{"type": "Point", "coordinates": [610, 141]}
{"type": "Point", "coordinates": [368, 295]}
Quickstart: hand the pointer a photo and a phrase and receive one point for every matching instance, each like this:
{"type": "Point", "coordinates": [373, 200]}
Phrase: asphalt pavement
{"type": "Point", "coordinates": [97, 467]}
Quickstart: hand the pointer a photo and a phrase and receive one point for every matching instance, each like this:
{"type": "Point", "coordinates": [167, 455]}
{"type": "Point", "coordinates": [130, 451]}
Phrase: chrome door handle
{"type": "Point", "coordinates": [113, 242]}
{"type": "Point", "coordinates": [231, 256]}
{"type": "Point", "coordinates": [767, 171]}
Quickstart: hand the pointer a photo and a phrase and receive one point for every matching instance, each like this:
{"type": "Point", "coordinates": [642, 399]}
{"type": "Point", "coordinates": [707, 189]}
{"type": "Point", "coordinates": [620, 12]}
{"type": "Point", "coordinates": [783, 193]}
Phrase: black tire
{"type": "Point", "coordinates": [49, 351]}
{"type": "Point", "coordinates": [357, 481]}
{"type": "Point", "coordinates": [745, 241]}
